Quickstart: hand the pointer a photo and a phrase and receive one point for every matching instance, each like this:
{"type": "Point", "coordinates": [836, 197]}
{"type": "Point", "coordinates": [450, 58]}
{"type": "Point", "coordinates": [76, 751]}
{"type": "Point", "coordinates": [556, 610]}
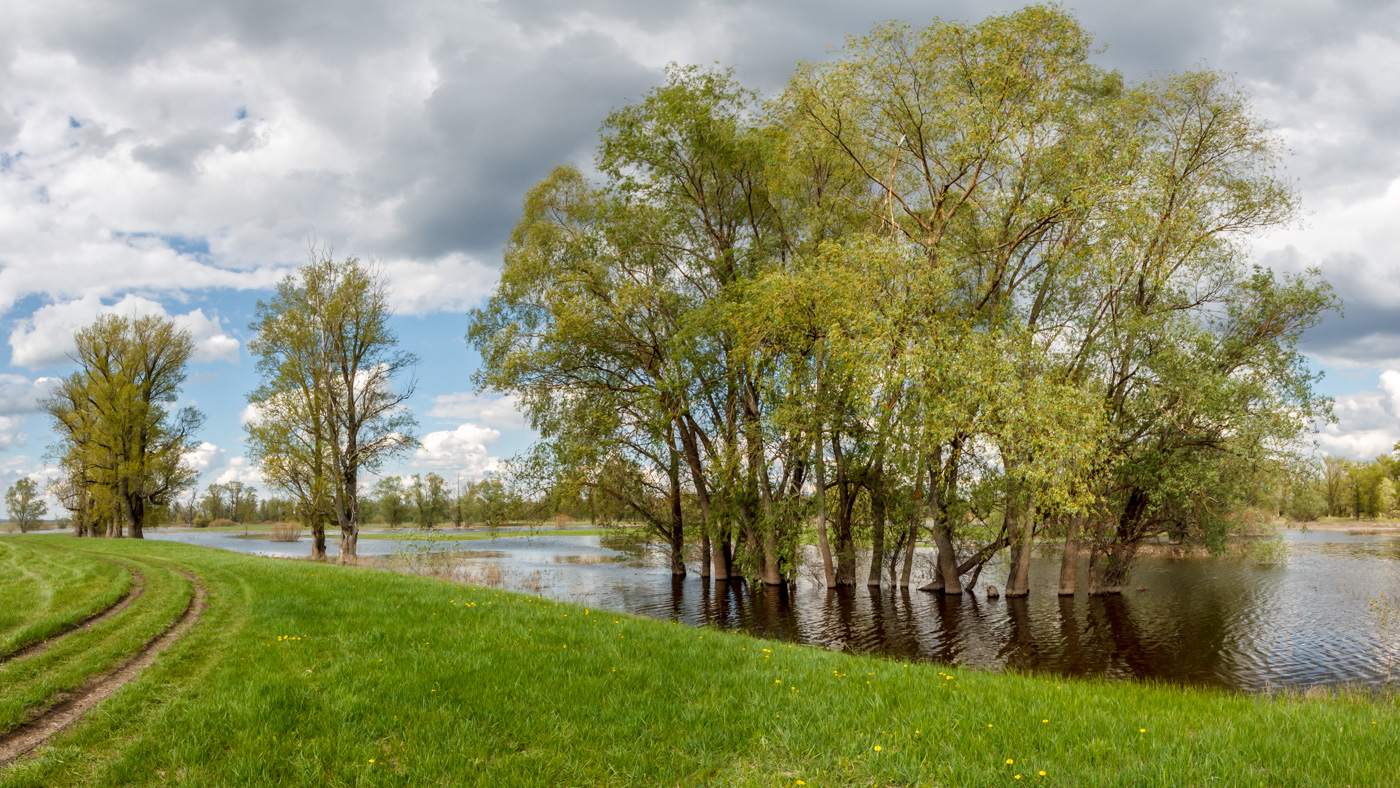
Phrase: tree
{"type": "Point", "coordinates": [1335, 477]}
{"type": "Point", "coordinates": [113, 419]}
{"type": "Point", "coordinates": [24, 504]}
{"type": "Point", "coordinates": [333, 394]}
{"type": "Point", "coordinates": [388, 493]}
{"type": "Point", "coordinates": [430, 500]}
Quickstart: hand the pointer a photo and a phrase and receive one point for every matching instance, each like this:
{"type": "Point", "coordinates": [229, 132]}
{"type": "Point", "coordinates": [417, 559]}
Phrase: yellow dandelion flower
{"type": "Point", "coordinates": [1042, 772]}
{"type": "Point", "coordinates": [1142, 730]}
{"type": "Point", "coordinates": [877, 748]}
{"type": "Point", "coordinates": [1009, 761]}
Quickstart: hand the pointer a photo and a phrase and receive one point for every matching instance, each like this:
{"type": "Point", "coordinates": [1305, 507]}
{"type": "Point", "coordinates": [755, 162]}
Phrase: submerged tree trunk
{"type": "Point", "coordinates": [1069, 562]}
{"type": "Point", "coordinates": [948, 577]}
{"type": "Point", "coordinates": [908, 567]}
{"type": "Point", "coordinates": [1020, 526]}
{"type": "Point", "coordinates": [677, 535]}
{"type": "Point", "coordinates": [720, 554]}
{"type": "Point", "coordinates": [823, 545]}
{"type": "Point", "coordinates": [705, 553]}
{"type": "Point", "coordinates": [877, 535]}
{"type": "Point", "coordinates": [771, 576]}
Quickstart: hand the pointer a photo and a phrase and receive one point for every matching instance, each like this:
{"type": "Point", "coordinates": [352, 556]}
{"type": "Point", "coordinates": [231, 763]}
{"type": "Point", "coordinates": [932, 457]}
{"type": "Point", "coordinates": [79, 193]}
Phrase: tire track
{"type": "Point", "coordinates": [138, 587]}
{"type": "Point", "coordinates": [17, 742]}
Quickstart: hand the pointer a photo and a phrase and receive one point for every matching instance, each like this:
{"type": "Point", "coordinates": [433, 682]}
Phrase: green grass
{"type": "Point", "coordinates": [399, 680]}
{"type": "Point", "coordinates": [43, 591]}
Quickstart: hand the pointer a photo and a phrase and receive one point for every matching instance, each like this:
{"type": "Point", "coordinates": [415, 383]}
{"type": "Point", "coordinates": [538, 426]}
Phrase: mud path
{"type": "Point", "coordinates": [71, 706]}
{"type": "Point", "coordinates": [138, 586]}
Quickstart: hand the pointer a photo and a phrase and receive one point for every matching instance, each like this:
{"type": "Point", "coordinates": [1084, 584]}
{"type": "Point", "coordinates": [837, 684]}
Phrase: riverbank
{"type": "Point", "coordinates": [302, 673]}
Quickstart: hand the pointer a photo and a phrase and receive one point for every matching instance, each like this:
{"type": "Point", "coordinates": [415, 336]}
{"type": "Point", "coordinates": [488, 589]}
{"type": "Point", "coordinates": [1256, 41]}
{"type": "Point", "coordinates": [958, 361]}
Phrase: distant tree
{"type": "Point", "coordinates": [430, 499]}
{"type": "Point", "coordinates": [25, 505]}
{"type": "Point", "coordinates": [388, 494]}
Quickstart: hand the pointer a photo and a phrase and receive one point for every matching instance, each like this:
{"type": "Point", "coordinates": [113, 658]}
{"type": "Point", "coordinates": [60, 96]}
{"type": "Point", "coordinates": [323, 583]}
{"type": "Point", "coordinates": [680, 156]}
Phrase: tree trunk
{"type": "Point", "coordinates": [877, 535]}
{"type": "Point", "coordinates": [347, 516]}
{"type": "Point", "coordinates": [908, 568]}
{"type": "Point", "coordinates": [1109, 566]}
{"type": "Point", "coordinates": [1020, 526]}
{"type": "Point", "coordinates": [705, 552]}
{"type": "Point", "coordinates": [771, 575]}
{"type": "Point", "coordinates": [1069, 562]}
{"type": "Point", "coordinates": [947, 577]}
{"type": "Point", "coordinates": [823, 544]}
{"type": "Point", "coordinates": [677, 527]}
{"type": "Point", "coordinates": [318, 540]}
{"type": "Point", "coordinates": [720, 555]}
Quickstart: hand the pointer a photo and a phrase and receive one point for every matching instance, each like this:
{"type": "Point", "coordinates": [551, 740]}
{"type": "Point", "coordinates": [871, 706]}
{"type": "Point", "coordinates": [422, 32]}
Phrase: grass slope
{"type": "Point", "coordinates": [305, 674]}
{"type": "Point", "coordinates": [44, 591]}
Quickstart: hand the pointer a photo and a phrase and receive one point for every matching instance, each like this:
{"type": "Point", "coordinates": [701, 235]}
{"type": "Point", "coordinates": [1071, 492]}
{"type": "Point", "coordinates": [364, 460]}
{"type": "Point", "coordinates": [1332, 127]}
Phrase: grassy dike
{"type": "Point", "coordinates": [306, 674]}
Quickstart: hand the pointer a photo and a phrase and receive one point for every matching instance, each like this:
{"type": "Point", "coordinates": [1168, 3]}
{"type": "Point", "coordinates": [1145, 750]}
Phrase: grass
{"type": "Point", "coordinates": [43, 591]}
{"type": "Point", "coordinates": [33, 682]}
{"type": "Point", "coordinates": [310, 674]}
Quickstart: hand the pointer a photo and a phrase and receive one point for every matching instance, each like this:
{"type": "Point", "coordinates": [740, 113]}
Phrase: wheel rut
{"type": "Point", "coordinates": [19, 741]}
{"type": "Point", "coordinates": [138, 587]}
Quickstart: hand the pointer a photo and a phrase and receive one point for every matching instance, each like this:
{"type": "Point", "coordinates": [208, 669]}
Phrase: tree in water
{"type": "Point", "coordinates": [333, 393]}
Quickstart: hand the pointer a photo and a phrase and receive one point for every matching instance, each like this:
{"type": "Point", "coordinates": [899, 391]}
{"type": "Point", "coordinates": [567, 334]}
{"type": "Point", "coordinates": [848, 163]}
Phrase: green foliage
{"type": "Point", "coordinates": [24, 504]}
{"type": "Point", "coordinates": [121, 444]}
{"type": "Point", "coordinates": [333, 393]}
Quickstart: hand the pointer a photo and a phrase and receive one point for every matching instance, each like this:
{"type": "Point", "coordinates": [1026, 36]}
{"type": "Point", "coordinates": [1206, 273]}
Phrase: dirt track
{"type": "Point", "coordinates": [138, 586]}
{"type": "Point", "coordinates": [15, 743]}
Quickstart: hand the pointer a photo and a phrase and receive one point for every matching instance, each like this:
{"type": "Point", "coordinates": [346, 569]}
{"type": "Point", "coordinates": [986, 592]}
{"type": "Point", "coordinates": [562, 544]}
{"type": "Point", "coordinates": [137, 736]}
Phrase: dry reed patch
{"type": "Point", "coordinates": [285, 532]}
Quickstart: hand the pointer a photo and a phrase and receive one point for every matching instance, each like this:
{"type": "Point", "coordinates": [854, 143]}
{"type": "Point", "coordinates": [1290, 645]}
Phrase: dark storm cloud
{"type": "Point", "coordinates": [1367, 332]}
{"type": "Point", "coordinates": [498, 122]}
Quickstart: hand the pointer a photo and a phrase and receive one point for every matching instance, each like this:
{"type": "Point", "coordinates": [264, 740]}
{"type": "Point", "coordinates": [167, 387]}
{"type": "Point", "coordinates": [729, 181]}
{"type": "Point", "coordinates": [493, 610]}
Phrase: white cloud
{"type": "Point", "coordinates": [46, 337]}
{"type": "Point", "coordinates": [498, 412]}
{"type": "Point", "coordinates": [239, 469]}
{"type": "Point", "coordinates": [205, 457]}
{"type": "Point", "coordinates": [1368, 422]}
{"type": "Point", "coordinates": [461, 450]}
{"type": "Point", "coordinates": [454, 283]}
{"type": "Point", "coordinates": [11, 432]}
{"type": "Point", "coordinates": [20, 396]}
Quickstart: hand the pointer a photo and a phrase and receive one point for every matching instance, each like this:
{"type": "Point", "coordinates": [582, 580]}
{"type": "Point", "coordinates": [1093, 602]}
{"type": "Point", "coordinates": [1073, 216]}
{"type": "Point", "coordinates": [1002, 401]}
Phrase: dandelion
{"type": "Point", "coordinates": [1009, 761]}
{"type": "Point", "coordinates": [1042, 772]}
{"type": "Point", "coordinates": [371, 760]}
{"type": "Point", "coordinates": [1142, 730]}
{"type": "Point", "coordinates": [877, 748]}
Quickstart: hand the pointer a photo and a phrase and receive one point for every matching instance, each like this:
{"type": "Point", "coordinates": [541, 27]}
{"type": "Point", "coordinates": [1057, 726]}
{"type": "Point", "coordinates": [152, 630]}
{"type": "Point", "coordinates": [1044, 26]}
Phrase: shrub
{"type": "Point", "coordinates": [285, 532]}
{"type": "Point", "coordinates": [561, 521]}
{"type": "Point", "coordinates": [223, 522]}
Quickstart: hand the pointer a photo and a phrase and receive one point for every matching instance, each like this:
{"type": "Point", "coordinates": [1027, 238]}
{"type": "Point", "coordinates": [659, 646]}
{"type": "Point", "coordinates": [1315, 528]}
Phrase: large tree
{"type": "Point", "coordinates": [117, 431]}
{"type": "Point", "coordinates": [333, 393]}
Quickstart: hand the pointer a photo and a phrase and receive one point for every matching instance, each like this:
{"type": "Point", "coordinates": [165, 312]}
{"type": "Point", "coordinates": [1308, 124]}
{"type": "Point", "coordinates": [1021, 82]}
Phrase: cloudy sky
{"type": "Point", "coordinates": [160, 156]}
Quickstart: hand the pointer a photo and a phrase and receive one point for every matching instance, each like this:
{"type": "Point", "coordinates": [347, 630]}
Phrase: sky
{"type": "Point", "coordinates": [176, 158]}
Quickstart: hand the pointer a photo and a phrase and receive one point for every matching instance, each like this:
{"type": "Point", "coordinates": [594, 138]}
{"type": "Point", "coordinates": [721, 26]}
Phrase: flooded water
{"type": "Point", "coordinates": [1223, 622]}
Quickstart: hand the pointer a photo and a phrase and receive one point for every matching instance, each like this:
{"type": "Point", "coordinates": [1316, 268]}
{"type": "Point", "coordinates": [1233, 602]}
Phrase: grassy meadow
{"type": "Point", "coordinates": [309, 674]}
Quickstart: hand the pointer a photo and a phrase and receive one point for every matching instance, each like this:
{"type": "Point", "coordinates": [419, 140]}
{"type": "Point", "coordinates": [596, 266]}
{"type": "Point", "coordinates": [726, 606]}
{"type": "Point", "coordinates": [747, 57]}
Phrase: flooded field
{"type": "Point", "coordinates": [1222, 622]}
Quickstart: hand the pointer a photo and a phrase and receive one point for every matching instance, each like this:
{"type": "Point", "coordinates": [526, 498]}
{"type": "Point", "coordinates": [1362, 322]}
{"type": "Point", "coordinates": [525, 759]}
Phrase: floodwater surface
{"type": "Point", "coordinates": [1223, 622]}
